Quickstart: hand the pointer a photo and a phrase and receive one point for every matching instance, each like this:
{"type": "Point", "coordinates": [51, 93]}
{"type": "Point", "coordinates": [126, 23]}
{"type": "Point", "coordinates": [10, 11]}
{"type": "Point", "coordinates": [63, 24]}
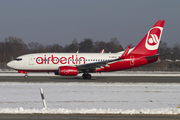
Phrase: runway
{"type": "Point", "coordinates": [101, 79]}
{"type": "Point", "coordinates": [88, 117]}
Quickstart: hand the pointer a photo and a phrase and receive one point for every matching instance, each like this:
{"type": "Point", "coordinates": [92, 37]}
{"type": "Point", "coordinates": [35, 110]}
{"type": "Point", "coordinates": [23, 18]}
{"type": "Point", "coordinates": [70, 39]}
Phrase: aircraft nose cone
{"type": "Point", "coordinates": [10, 64]}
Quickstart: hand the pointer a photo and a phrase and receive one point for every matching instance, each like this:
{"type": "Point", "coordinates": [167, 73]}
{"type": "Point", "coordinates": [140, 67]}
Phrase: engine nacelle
{"type": "Point", "coordinates": [67, 70]}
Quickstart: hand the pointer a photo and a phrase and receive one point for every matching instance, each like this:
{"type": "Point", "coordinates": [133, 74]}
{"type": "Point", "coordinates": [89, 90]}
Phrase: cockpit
{"type": "Point", "coordinates": [18, 59]}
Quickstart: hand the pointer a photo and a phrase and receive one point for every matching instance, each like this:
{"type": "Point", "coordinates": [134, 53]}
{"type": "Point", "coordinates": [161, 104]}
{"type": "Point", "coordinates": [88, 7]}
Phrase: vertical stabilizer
{"type": "Point", "coordinates": [150, 43]}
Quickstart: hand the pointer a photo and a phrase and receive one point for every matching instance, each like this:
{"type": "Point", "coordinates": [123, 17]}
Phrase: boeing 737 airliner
{"type": "Point", "coordinates": [71, 64]}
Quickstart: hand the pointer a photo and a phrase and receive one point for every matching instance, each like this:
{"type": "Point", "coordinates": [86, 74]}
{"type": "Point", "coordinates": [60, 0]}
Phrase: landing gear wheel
{"type": "Point", "coordinates": [86, 76]}
{"type": "Point", "coordinates": [26, 76]}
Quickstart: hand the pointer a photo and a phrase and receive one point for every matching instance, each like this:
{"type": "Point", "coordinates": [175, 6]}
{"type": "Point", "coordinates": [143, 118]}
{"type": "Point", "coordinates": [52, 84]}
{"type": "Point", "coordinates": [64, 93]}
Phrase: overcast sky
{"type": "Point", "coordinates": [60, 21]}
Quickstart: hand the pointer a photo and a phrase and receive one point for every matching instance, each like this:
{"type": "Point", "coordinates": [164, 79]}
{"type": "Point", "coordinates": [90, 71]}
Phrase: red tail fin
{"type": "Point", "coordinates": [150, 43]}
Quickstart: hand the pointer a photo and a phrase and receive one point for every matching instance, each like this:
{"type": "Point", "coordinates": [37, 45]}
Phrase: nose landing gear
{"type": "Point", "coordinates": [24, 72]}
{"type": "Point", "coordinates": [86, 76]}
{"type": "Point", "coordinates": [26, 76]}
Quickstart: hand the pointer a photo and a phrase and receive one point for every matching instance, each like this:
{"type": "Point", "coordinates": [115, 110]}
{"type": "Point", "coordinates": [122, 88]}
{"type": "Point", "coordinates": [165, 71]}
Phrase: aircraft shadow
{"type": "Point", "coordinates": [79, 78]}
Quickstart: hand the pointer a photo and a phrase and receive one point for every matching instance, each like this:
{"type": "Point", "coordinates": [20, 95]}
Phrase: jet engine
{"type": "Point", "coordinates": [67, 70]}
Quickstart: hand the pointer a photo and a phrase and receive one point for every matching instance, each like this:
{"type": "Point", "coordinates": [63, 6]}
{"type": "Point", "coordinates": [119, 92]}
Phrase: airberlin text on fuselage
{"type": "Point", "coordinates": [74, 59]}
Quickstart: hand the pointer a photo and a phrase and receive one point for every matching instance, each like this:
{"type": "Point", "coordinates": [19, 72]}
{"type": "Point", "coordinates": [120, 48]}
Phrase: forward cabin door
{"type": "Point", "coordinates": [31, 60]}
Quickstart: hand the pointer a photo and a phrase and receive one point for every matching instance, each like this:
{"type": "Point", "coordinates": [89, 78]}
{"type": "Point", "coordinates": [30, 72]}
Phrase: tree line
{"type": "Point", "coordinates": [12, 47]}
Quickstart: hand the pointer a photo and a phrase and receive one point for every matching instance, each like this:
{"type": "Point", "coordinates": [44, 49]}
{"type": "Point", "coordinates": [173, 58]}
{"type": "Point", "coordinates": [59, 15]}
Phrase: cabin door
{"type": "Point", "coordinates": [31, 60]}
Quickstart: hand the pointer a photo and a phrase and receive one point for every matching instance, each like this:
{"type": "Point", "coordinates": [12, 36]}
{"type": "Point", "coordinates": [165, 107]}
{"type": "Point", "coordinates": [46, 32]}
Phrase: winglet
{"type": "Point", "coordinates": [125, 53]}
{"type": "Point", "coordinates": [102, 51]}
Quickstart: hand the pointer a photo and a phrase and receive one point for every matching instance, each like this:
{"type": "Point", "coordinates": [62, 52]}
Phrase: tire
{"type": "Point", "coordinates": [26, 76]}
{"type": "Point", "coordinates": [84, 76]}
{"type": "Point", "coordinates": [88, 76]}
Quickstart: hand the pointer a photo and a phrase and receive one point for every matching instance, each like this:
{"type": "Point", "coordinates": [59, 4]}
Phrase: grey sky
{"type": "Point", "coordinates": [60, 21]}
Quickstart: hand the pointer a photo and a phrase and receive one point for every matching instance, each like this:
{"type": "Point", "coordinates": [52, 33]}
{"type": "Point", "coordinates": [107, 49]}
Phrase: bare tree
{"type": "Point", "coordinates": [86, 45]}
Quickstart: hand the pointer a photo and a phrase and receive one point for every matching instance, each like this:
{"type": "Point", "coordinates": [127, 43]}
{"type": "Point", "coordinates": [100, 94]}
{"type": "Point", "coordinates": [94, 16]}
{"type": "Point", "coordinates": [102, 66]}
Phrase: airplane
{"type": "Point", "coordinates": [71, 64]}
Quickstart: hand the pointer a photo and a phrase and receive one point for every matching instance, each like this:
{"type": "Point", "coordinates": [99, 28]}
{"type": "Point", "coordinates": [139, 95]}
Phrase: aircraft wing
{"type": "Point", "coordinates": [93, 66]}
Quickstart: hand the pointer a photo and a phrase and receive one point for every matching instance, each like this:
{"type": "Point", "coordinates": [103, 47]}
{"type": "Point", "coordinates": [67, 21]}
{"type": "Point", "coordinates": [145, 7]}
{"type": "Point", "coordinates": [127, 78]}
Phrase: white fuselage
{"type": "Point", "coordinates": [52, 61]}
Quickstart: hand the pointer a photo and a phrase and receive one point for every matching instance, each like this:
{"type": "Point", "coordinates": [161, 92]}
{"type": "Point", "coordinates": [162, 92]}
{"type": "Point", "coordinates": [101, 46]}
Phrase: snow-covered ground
{"type": "Point", "coordinates": [90, 98]}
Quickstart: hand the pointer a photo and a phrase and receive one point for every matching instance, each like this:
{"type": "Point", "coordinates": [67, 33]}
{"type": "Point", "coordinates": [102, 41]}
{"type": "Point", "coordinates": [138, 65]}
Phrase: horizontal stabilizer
{"type": "Point", "coordinates": [155, 56]}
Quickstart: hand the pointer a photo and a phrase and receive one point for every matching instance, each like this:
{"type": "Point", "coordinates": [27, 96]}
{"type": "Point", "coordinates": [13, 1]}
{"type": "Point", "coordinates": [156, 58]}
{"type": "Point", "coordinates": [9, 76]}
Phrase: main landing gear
{"type": "Point", "coordinates": [86, 76]}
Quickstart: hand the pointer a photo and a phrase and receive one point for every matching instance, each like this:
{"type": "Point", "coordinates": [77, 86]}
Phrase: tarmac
{"type": "Point", "coordinates": [123, 79]}
{"type": "Point", "coordinates": [86, 117]}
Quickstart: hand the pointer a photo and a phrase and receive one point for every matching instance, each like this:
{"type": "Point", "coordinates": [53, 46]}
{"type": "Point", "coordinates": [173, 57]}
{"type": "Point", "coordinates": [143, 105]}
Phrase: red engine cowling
{"type": "Point", "coordinates": [67, 70]}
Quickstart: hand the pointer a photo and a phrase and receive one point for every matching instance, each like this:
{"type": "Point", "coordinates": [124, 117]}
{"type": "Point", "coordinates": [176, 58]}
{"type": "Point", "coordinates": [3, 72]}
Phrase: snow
{"type": "Point", "coordinates": [21, 110]}
{"type": "Point", "coordinates": [90, 98]}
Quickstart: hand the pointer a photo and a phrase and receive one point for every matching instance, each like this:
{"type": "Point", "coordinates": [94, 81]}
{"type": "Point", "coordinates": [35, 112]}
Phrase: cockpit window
{"type": "Point", "coordinates": [18, 59]}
